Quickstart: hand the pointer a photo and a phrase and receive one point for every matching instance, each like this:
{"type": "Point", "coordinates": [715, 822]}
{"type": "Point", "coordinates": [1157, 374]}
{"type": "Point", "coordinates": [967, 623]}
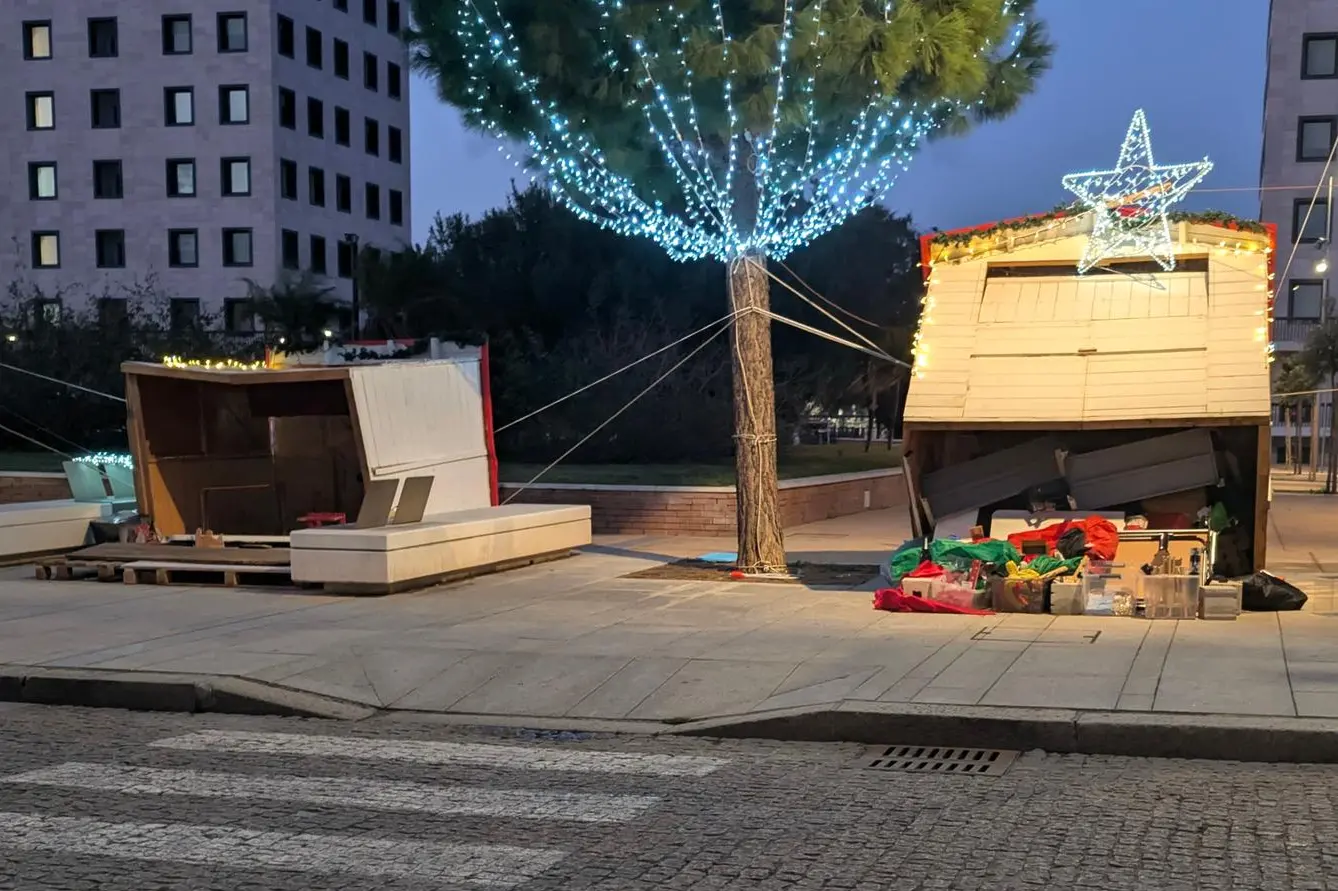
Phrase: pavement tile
{"type": "Point", "coordinates": [705, 687]}
{"type": "Point", "coordinates": [627, 688]}
{"type": "Point", "coordinates": [547, 686]}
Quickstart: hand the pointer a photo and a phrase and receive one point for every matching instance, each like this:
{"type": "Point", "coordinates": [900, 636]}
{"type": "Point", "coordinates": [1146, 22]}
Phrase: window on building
{"type": "Point", "coordinates": [343, 194]}
{"type": "Point", "coordinates": [236, 177]}
{"type": "Point", "coordinates": [369, 11]}
{"type": "Point", "coordinates": [395, 144]}
{"type": "Point", "coordinates": [344, 259]}
{"type": "Point", "coordinates": [234, 104]}
{"type": "Point", "coordinates": [340, 59]}
{"type": "Point", "coordinates": [343, 126]}
{"type": "Point", "coordinates": [181, 178]}
{"type": "Point", "coordinates": [112, 313]}
{"type": "Point", "coordinates": [287, 108]}
{"type": "Point", "coordinates": [102, 38]}
{"type": "Point", "coordinates": [239, 316]}
{"type": "Point", "coordinates": [42, 180]}
{"type": "Point", "coordinates": [1305, 299]}
{"type": "Point", "coordinates": [287, 179]}
{"type": "Point", "coordinates": [371, 70]}
{"type": "Point", "coordinates": [179, 106]}
{"type": "Point", "coordinates": [107, 180]}
{"type": "Point", "coordinates": [393, 17]}
{"type": "Point", "coordinates": [183, 252]}
{"type": "Point", "coordinates": [106, 109]}
{"type": "Point", "coordinates": [289, 249]}
{"type": "Point", "coordinates": [394, 81]}
{"type": "Point", "coordinates": [319, 255]}
{"type": "Point", "coordinates": [46, 250]}
{"type": "Point", "coordinates": [237, 245]}
{"type": "Point", "coordinates": [371, 137]}
{"type": "Point", "coordinates": [177, 37]}
{"type": "Point", "coordinates": [396, 207]}
{"type": "Point", "coordinates": [1314, 137]}
{"type": "Point", "coordinates": [1309, 226]}
{"type": "Point", "coordinates": [36, 40]}
{"type": "Point", "coordinates": [110, 248]}
{"type": "Point", "coordinates": [316, 186]}
{"type": "Point", "coordinates": [371, 200]}
{"type": "Point", "coordinates": [183, 313]}
{"type": "Point", "coordinates": [286, 37]}
{"type": "Point", "coordinates": [315, 118]}
{"type": "Point", "coordinates": [1319, 55]}
{"type": "Point", "coordinates": [232, 36]}
{"type": "Point", "coordinates": [315, 48]}
{"type": "Point", "coordinates": [41, 111]}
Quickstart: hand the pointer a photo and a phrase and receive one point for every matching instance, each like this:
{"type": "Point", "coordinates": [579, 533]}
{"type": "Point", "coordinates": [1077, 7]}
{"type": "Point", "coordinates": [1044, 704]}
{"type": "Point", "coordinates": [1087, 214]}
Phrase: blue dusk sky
{"type": "Point", "coordinates": [1195, 66]}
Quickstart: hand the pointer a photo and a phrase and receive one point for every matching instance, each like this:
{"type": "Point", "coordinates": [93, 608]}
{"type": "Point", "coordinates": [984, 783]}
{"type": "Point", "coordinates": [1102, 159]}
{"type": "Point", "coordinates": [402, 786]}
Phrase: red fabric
{"type": "Point", "coordinates": [1048, 534]}
{"type": "Point", "coordinates": [926, 570]}
{"type": "Point", "coordinates": [1103, 539]}
{"type": "Point", "coordinates": [894, 600]}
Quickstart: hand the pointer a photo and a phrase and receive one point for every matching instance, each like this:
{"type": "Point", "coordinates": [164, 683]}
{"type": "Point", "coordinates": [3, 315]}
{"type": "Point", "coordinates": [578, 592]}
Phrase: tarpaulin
{"type": "Point", "coordinates": [897, 601]}
{"type": "Point", "coordinates": [1103, 539]}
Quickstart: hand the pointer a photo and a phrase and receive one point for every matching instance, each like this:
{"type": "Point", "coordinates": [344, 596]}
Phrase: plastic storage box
{"type": "Point", "coordinates": [1067, 599]}
{"type": "Point", "coordinates": [954, 594]}
{"type": "Point", "coordinates": [1169, 596]}
{"type": "Point", "coordinates": [1220, 600]}
{"type": "Point", "coordinates": [1017, 595]}
{"type": "Point", "coordinates": [1104, 593]}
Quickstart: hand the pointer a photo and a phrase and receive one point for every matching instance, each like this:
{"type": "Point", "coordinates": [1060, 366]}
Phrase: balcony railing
{"type": "Point", "coordinates": [1293, 330]}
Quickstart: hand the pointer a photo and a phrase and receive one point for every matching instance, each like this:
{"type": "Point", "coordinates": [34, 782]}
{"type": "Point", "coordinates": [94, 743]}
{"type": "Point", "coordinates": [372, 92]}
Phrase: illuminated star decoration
{"type": "Point", "coordinates": [1131, 201]}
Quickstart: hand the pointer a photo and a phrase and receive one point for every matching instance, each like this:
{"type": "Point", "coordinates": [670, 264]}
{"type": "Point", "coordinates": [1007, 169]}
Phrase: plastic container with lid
{"type": "Point", "coordinates": [1169, 596]}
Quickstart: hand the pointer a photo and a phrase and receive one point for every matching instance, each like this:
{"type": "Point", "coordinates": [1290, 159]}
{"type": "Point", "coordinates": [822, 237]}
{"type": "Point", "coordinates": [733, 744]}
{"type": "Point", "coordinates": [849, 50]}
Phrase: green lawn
{"type": "Point", "coordinates": [795, 461]}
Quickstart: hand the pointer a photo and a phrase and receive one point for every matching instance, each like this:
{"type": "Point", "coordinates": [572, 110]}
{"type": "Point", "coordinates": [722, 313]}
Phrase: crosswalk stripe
{"type": "Point", "coordinates": [344, 791]}
{"type": "Point", "coordinates": [223, 846]}
{"type": "Point", "coordinates": [438, 753]}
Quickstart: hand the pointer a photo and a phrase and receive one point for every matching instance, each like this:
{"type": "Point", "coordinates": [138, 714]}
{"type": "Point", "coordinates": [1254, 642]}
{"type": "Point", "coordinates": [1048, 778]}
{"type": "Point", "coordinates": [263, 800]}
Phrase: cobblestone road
{"type": "Point", "coordinates": [110, 800]}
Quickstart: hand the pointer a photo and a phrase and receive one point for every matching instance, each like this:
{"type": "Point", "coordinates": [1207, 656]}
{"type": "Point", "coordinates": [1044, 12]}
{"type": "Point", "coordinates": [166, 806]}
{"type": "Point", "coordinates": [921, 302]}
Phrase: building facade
{"type": "Point", "coordinates": [1300, 129]}
{"type": "Point", "coordinates": [193, 145]}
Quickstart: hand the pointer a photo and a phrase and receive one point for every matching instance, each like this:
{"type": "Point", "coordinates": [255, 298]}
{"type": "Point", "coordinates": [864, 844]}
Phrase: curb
{"type": "Point", "coordinates": [1061, 731]}
{"type": "Point", "coordinates": [160, 692]}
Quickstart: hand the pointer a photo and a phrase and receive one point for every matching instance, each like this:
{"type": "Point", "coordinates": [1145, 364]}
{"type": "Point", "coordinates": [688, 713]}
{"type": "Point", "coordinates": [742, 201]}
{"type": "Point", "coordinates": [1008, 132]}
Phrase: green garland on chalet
{"type": "Point", "coordinates": [964, 237]}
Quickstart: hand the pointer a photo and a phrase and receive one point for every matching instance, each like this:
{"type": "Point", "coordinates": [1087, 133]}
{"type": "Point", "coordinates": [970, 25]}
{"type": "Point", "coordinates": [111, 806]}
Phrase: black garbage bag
{"type": "Point", "coordinates": [1264, 592]}
{"type": "Point", "coordinates": [1072, 543]}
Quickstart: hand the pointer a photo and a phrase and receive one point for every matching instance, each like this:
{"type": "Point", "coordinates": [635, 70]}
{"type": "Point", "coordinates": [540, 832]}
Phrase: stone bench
{"type": "Point", "coordinates": [42, 527]}
{"type": "Point", "coordinates": [385, 559]}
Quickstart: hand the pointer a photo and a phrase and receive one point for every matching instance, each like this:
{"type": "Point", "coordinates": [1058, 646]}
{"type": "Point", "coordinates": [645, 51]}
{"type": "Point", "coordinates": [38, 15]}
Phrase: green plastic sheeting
{"type": "Point", "coordinates": [1044, 565]}
{"type": "Point", "coordinates": [956, 556]}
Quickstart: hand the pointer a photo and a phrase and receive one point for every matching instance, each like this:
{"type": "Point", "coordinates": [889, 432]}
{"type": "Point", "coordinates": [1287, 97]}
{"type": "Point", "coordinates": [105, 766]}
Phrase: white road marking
{"type": "Point", "coordinates": [437, 753]}
{"type": "Point", "coordinates": [224, 846]}
{"type": "Point", "coordinates": [386, 795]}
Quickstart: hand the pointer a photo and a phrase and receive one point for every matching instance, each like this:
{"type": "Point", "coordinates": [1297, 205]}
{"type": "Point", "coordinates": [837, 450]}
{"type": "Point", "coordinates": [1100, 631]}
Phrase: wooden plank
{"type": "Point", "coordinates": [129, 552]}
{"type": "Point", "coordinates": [150, 572]}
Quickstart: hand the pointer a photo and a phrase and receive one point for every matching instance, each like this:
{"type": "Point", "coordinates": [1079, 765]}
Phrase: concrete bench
{"type": "Point", "coordinates": [41, 527]}
{"type": "Point", "coordinates": [384, 559]}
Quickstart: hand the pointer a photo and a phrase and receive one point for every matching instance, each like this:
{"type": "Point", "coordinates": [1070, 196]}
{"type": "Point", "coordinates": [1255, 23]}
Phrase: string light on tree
{"type": "Point", "coordinates": [1132, 200]}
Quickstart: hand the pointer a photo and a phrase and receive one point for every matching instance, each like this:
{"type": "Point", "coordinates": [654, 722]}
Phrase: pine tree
{"type": "Point", "coordinates": [735, 129]}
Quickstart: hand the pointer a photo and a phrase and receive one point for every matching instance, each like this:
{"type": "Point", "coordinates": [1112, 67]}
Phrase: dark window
{"type": "Point", "coordinates": [343, 126]}
{"type": "Point", "coordinates": [177, 37]}
{"type": "Point", "coordinates": [370, 71]}
{"type": "Point", "coordinates": [318, 255]}
{"type": "Point", "coordinates": [36, 40]}
{"type": "Point", "coordinates": [315, 118]}
{"type": "Point", "coordinates": [179, 106]}
{"type": "Point", "coordinates": [110, 248]}
{"type": "Point", "coordinates": [107, 180]}
{"type": "Point", "coordinates": [315, 48]}
{"type": "Point", "coordinates": [369, 11]}
{"type": "Point", "coordinates": [287, 108]}
{"type": "Point", "coordinates": [47, 310]}
{"type": "Point", "coordinates": [394, 81]}
{"type": "Point", "coordinates": [46, 250]}
{"type": "Point", "coordinates": [234, 104]}
{"type": "Point", "coordinates": [41, 111]}
{"type": "Point", "coordinates": [371, 200]}
{"type": "Point", "coordinates": [393, 23]}
{"type": "Point", "coordinates": [341, 5]}
{"type": "Point", "coordinates": [112, 313]}
{"type": "Point", "coordinates": [232, 32]}
{"type": "Point", "coordinates": [287, 179]}
{"type": "Point", "coordinates": [236, 176]}
{"type": "Point", "coordinates": [184, 312]}
{"type": "Point", "coordinates": [344, 259]}
{"type": "Point", "coordinates": [288, 245]}
{"type": "Point", "coordinates": [237, 247]}
{"type": "Point", "coordinates": [316, 186]}
{"type": "Point", "coordinates": [183, 251]}
{"type": "Point", "coordinates": [1319, 55]}
{"type": "Point", "coordinates": [1316, 226]}
{"type": "Point", "coordinates": [340, 59]}
{"type": "Point", "coordinates": [42, 180]}
{"type": "Point", "coordinates": [239, 317]}
{"type": "Point", "coordinates": [106, 109]}
{"type": "Point", "coordinates": [395, 144]}
{"type": "Point", "coordinates": [343, 194]}
{"type": "Point", "coordinates": [396, 207]}
{"type": "Point", "coordinates": [1305, 299]}
{"type": "Point", "coordinates": [1314, 137]}
{"type": "Point", "coordinates": [287, 38]}
{"type": "Point", "coordinates": [181, 178]}
{"type": "Point", "coordinates": [102, 38]}
{"type": "Point", "coordinates": [371, 136]}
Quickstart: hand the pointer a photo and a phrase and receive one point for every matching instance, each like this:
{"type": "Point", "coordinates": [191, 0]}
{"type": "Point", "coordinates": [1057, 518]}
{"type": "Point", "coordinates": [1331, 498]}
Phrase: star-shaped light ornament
{"type": "Point", "coordinates": [1131, 201]}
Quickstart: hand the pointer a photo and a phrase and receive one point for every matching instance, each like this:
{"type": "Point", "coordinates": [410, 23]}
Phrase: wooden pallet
{"type": "Point", "coordinates": [63, 570]}
{"type": "Point", "coordinates": [152, 572]}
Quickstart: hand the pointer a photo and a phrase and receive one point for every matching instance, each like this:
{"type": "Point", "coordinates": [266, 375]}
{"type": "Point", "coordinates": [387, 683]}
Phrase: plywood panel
{"type": "Point", "coordinates": [420, 413]}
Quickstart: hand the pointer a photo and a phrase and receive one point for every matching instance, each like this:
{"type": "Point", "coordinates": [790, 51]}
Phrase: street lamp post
{"type": "Point", "coordinates": [351, 239]}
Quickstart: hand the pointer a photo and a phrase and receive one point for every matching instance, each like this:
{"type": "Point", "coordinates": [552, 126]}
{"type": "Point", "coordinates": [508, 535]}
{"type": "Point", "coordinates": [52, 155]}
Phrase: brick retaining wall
{"type": "Point", "coordinates": [17, 487]}
{"type": "Point", "coordinates": [710, 510]}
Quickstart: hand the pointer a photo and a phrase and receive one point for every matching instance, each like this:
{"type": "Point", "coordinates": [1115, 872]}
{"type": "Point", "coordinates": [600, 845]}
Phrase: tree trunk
{"type": "Point", "coordinates": [1287, 441]}
{"type": "Point", "coordinates": [761, 543]}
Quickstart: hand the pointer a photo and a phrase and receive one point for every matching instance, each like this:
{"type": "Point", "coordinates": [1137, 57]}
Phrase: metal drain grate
{"type": "Point", "coordinates": [943, 760]}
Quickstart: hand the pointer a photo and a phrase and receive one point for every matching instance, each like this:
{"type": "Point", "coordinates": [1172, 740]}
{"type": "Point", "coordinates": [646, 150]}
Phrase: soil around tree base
{"type": "Point", "coordinates": [823, 575]}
